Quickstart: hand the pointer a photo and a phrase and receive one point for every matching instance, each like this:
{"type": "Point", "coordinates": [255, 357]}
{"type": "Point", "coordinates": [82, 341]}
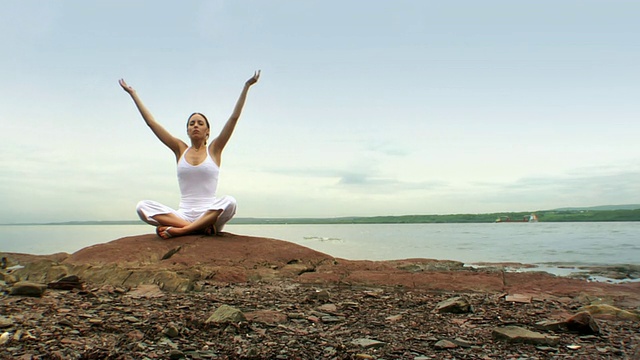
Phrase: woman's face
{"type": "Point", "coordinates": [197, 127]}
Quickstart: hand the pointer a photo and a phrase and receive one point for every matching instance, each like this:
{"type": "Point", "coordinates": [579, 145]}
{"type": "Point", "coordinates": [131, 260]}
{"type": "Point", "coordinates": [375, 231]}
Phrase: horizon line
{"type": "Point", "coordinates": [248, 218]}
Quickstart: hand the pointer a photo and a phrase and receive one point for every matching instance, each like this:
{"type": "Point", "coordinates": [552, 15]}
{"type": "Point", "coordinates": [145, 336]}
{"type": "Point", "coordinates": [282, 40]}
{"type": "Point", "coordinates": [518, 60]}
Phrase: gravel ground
{"type": "Point", "coordinates": [292, 321]}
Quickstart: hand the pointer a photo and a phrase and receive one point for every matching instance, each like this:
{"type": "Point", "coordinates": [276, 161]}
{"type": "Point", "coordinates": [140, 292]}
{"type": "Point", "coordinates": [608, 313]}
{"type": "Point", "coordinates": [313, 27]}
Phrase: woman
{"type": "Point", "coordinates": [200, 211]}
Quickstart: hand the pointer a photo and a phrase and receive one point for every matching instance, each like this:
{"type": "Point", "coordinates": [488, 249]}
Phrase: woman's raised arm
{"type": "Point", "coordinates": [169, 140]}
{"type": "Point", "coordinates": [218, 144]}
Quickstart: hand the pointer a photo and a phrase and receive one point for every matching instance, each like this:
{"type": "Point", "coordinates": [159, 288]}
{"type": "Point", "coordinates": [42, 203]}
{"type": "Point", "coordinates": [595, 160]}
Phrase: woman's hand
{"type": "Point", "coordinates": [254, 79]}
{"type": "Point", "coordinates": [126, 87]}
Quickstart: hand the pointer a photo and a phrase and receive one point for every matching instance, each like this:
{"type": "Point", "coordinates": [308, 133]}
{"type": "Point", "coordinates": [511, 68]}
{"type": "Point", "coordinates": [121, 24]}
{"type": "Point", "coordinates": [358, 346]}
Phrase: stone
{"type": "Point", "coordinates": [176, 354]}
{"type": "Point", "coordinates": [516, 334]}
{"type": "Point", "coordinates": [518, 298]}
{"type": "Point", "coordinates": [69, 282]}
{"type": "Point", "coordinates": [27, 288]}
{"type": "Point", "coordinates": [608, 310]}
{"type": "Point", "coordinates": [226, 314]}
{"type": "Point", "coordinates": [135, 335]}
{"type": "Point", "coordinates": [170, 253]}
{"type": "Point", "coordinates": [462, 342]}
{"type": "Point", "coordinates": [328, 308]}
{"type": "Point", "coordinates": [445, 344]}
{"type": "Point", "coordinates": [331, 319]}
{"type": "Point", "coordinates": [322, 295]}
{"type": "Point", "coordinates": [552, 325]}
{"type": "Point", "coordinates": [171, 331]}
{"type": "Point", "coordinates": [5, 337]}
{"type": "Point", "coordinates": [456, 305]}
{"type": "Point", "coordinates": [393, 318]}
{"type": "Point", "coordinates": [146, 291]}
{"type": "Point", "coordinates": [368, 343]}
{"type": "Point", "coordinates": [583, 323]}
{"type": "Point", "coordinates": [269, 317]}
{"type": "Point", "coordinates": [10, 279]}
{"type": "Point", "coordinates": [5, 322]}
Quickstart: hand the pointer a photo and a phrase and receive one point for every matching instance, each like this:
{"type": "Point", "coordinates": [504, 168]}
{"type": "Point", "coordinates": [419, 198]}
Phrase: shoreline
{"type": "Point", "coordinates": [228, 258]}
{"type": "Point", "coordinates": [608, 273]}
{"type": "Point", "coordinates": [605, 273]}
{"type": "Point", "coordinates": [543, 245]}
{"type": "Point", "coordinates": [612, 274]}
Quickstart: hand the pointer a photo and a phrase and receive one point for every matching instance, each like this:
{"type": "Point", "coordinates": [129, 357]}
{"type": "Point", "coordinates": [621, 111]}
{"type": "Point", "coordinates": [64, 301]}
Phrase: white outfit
{"type": "Point", "coordinates": [198, 184]}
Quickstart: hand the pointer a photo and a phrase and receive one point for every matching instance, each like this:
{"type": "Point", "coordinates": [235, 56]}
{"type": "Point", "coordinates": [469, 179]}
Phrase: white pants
{"type": "Point", "coordinates": [147, 209]}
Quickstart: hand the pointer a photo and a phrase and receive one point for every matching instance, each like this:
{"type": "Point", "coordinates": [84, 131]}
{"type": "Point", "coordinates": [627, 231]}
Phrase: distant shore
{"type": "Point", "coordinates": [596, 214]}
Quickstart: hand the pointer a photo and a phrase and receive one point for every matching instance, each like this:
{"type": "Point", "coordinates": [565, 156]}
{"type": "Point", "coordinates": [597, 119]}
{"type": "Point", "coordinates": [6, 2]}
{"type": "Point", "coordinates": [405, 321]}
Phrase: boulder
{"type": "Point", "coordinates": [226, 314]}
{"type": "Point", "coordinates": [66, 283]}
{"type": "Point", "coordinates": [27, 288]}
{"type": "Point", "coordinates": [456, 305]}
{"type": "Point", "coordinates": [583, 323]}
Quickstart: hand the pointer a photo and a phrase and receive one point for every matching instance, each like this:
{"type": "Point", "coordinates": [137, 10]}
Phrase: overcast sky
{"type": "Point", "coordinates": [363, 108]}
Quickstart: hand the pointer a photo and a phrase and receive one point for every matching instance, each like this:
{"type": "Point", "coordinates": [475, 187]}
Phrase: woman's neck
{"type": "Point", "coordinates": [198, 147]}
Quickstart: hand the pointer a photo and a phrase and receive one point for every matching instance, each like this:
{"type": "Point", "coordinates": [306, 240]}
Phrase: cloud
{"type": "Point", "coordinates": [358, 182]}
{"type": "Point", "coordinates": [354, 180]}
{"type": "Point", "coordinates": [579, 187]}
{"type": "Point", "coordinates": [388, 148]}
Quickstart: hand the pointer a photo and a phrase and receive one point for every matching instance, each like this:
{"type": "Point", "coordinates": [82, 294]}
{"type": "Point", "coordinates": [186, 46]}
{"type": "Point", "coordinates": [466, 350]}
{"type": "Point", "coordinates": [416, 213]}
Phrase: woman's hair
{"type": "Point", "coordinates": [201, 114]}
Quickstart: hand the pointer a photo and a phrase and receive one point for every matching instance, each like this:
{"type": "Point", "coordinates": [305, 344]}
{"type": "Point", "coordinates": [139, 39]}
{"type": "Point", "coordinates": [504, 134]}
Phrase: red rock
{"type": "Point", "coordinates": [270, 317]}
{"type": "Point", "coordinates": [518, 298]}
{"type": "Point", "coordinates": [135, 335]}
{"type": "Point", "coordinates": [146, 291]}
{"type": "Point", "coordinates": [583, 323]}
{"type": "Point", "coordinates": [138, 260]}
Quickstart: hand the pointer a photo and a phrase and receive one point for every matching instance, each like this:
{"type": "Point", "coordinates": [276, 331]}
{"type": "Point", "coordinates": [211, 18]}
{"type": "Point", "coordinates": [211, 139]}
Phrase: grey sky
{"type": "Point", "coordinates": [363, 108]}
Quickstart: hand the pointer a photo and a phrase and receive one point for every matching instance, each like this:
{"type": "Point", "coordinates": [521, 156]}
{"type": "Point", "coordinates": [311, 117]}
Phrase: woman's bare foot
{"type": "Point", "coordinates": [163, 232]}
{"type": "Point", "coordinates": [211, 230]}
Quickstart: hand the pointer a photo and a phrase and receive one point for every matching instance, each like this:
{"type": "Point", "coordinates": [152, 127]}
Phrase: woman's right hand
{"type": "Point", "coordinates": [253, 79]}
{"type": "Point", "coordinates": [126, 87]}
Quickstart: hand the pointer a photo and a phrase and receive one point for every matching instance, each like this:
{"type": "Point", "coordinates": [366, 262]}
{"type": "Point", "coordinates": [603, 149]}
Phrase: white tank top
{"type": "Point", "coordinates": [198, 184]}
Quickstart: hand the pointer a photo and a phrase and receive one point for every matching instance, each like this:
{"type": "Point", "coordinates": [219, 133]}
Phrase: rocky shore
{"type": "Point", "coordinates": [243, 297]}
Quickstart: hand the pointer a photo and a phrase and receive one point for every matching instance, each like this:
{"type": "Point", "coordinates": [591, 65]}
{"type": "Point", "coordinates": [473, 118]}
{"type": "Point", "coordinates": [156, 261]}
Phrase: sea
{"type": "Point", "coordinates": [558, 248]}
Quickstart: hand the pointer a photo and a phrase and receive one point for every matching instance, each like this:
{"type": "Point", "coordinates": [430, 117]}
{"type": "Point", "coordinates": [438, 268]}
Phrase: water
{"type": "Point", "coordinates": [549, 244]}
{"type": "Point", "coordinates": [540, 243]}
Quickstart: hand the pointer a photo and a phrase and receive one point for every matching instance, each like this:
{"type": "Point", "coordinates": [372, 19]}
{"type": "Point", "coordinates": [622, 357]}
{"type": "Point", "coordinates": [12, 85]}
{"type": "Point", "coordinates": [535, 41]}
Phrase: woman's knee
{"type": "Point", "coordinates": [141, 208]}
{"type": "Point", "coordinates": [231, 205]}
{"type": "Point", "coordinates": [141, 205]}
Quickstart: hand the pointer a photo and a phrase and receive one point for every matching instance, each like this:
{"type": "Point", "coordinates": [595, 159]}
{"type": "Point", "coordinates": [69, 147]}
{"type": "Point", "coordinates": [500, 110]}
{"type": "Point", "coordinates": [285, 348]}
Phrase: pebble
{"type": "Point", "coordinates": [5, 337]}
{"type": "Point", "coordinates": [367, 343]}
{"type": "Point", "coordinates": [445, 344]}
